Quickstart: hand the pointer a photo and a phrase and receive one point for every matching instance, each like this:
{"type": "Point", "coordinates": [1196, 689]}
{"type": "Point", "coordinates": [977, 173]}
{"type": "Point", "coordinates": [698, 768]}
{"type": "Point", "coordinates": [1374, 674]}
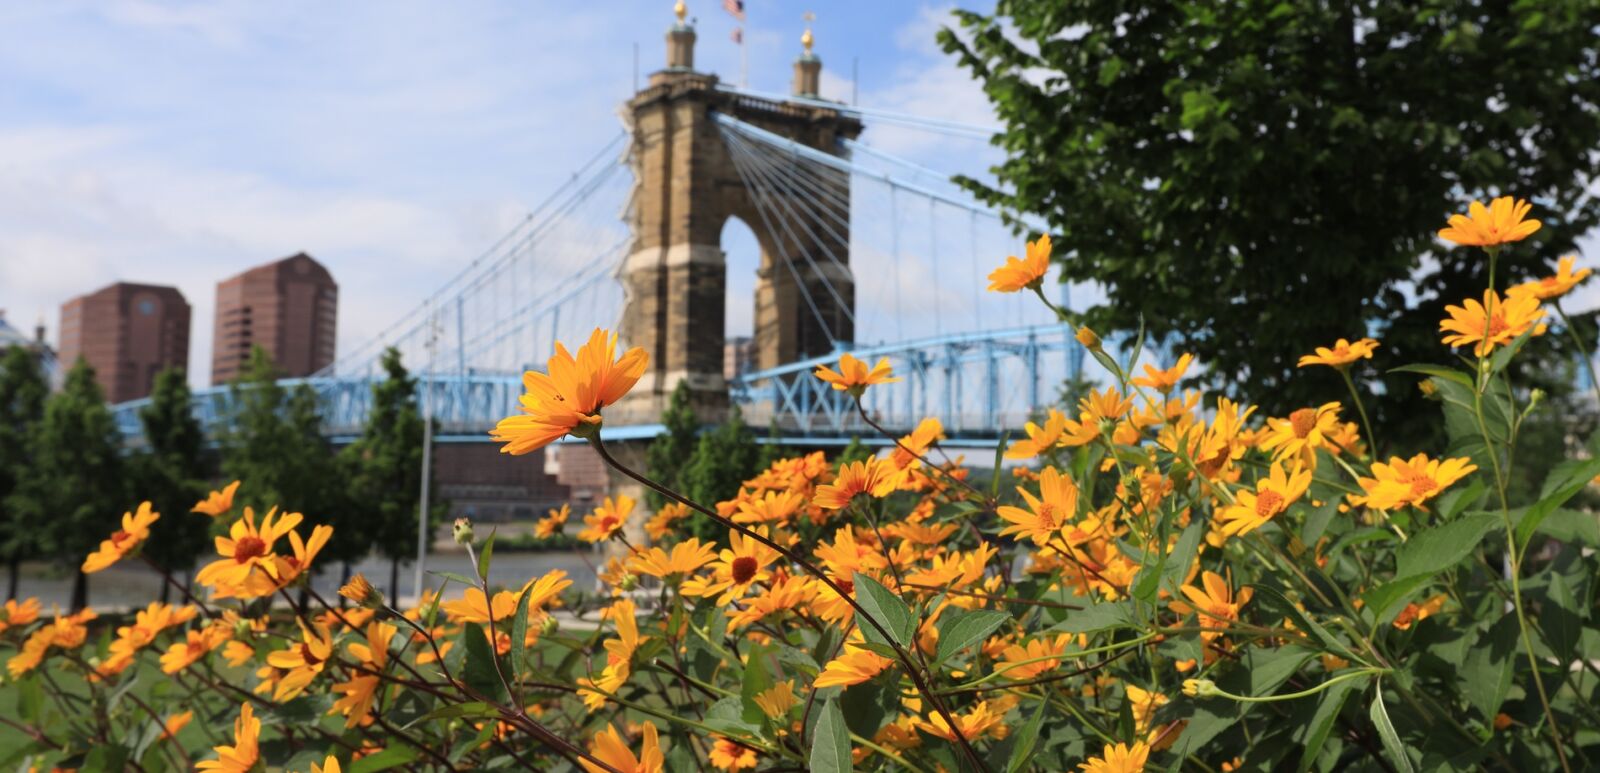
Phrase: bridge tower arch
{"type": "Point", "coordinates": [687, 185]}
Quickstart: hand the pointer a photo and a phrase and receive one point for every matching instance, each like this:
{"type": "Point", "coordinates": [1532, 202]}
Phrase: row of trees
{"type": "Point", "coordinates": [65, 477]}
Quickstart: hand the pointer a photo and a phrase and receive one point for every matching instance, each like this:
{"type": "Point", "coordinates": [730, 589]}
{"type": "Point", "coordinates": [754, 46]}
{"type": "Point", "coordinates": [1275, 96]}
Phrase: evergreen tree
{"type": "Point", "coordinates": [723, 459]}
{"type": "Point", "coordinates": [773, 449]}
{"type": "Point", "coordinates": [72, 486]}
{"type": "Point", "coordinates": [259, 446]}
{"type": "Point", "coordinates": [22, 395]}
{"type": "Point", "coordinates": [669, 454]}
{"type": "Point", "coordinates": [171, 473]}
{"type": "Point", "coordinates": [855, 451]}
{"type": "Point", "coordinates": [387, 460]}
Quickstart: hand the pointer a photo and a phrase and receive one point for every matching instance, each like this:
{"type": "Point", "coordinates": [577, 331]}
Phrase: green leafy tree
{"type": "Point", "coordinates": [388, 464]}
{"type": "Point", "coordinates": [22, 395]}
{"type": "Point", "coordinates": [854, 451]}
{"type": "Point", "coordinates": [773, 449]}
{"type": "Point", "coordinates": [171, 472]}
{"type": "Point", "coordinates": [73, 486]}
{"type": "Point", "coordinates": [723, 459]}
{"type": "Point", "coordinates": [669, 453]}
{"type": "Point", "coordinates": [1261, 177]}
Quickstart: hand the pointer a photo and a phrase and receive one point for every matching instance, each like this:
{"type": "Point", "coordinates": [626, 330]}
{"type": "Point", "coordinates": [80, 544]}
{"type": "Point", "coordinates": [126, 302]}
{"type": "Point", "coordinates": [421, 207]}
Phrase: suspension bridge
{"type": "Point", "coordinates": [860, 250]}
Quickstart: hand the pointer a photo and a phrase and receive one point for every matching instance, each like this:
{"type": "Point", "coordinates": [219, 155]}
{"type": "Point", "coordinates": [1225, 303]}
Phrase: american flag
{"type": "Point", "coordinates": [735, 7]}
{"type": "Point", "coordinates": [738, 35]}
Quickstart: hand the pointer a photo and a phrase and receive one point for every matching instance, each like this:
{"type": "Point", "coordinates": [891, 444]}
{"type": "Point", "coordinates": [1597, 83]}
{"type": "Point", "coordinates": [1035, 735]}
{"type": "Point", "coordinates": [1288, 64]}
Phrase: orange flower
{"type": "Point", "coordinates": [1027, 273]}
{"type": "Point", "coordinates": [1342, 353]}
{"type": "Point", "coordinates": [661, 523]}
{"type": "Point", "coordinates": [135, 530]}
{"type": "Point", "coordinates": [686, 557]}
{"type": "Point", "coordinates": [1217, 605]}
{"type": "Point", "coordinates": [872, 477]}
{"type": "Point", "coordinates": [608, 747]}
{"type": "Point", "coordinates": [244, 753]}
{"type": "Point", "coordinates": [853, 666]}
{"type": "Point", "coordinates": [1300, 435]}
{"type": "Point", "coordinates": [359, 693]}
{"type": "Point", "coordinates": [218, 502]}
{"type": "Point", "coordinates": [15, 615]}
{"type": "Point", "coordinates": [552, 523]}
{"type": "Point", "coordinates": [737, 568]}
{"type": "Point", "coordinates": [1048, 514]}
{"type": "Point", "coordinates": [175, 723]}
{"type": "Point", "coordinates": [1273, 495]}
{"type": "Point", "coordinates": [853, 375]}
{"type": "Point", "coordinates": [1500, 223]}
{"type": "Point", "coordinates": [568, 399]}
{"type": "Point", "coordinates": [1404, 482]}
{"type": "Point", "coordinates": [1415, 612]}
{"type": "Point", "coordinates": [981, 720]}
{"type": "Point", "coordinates": [731, 755]}
{"type": "Point", "coordinates": [1164, 380]}
{"type": "Point", "coordinates": [1120, 758]}
{"type": "Point", "coordinates": [196, 645]}
{"type": "Point", "coordinates": [1554, 286]}
{"type": "Point", "coordinates": [245, 550]}
{"type": "Point", "coordinates": [607, 519]}
{"type": "Point", "coordinates": [1495, 322]}
{"type": "Point", "coordinates": [302, 661]}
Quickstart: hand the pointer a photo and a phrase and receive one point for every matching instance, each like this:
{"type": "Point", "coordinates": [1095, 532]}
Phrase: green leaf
{"type": "Point", "coordinates": [479, 670]}
{"type": "Point", "coordinates": [1391, 739]}
{"type": "Point", "coordinates": [392, 757]}
{"type": "Point", "coordinates": [1572, 526]}
{"type": "Point", "coordinates": [1560, 618]}
{"type": "Point", "coordinates": [1441, 547]}
{"type": "Point", "coordinates": [1317, 522]}
{"type": "Point", "coordinates": [1503, 356]}
{"type": "Point", "coordinates": [727, 716]}
{"type": "Point", "coordinates": [1099, 617]}
{"type": "Point", "coordinates": [1487, 670]}
{"type": "Point", "coordinates": [959, 630]}
{"type": "Point", "coordinates": [757, 677]}
{"type": "Point", "coordinates": [1381, 600]}
{"type": "Point", "coordinates": [830, 744]}
{"type": "Point", "coordinates": [106, 757]}
{"type": "Point", "coordinates": [1022, 747]}
{"type": "Point", "coordinates": [1184, 554]}
{"type": "Point", "coordinates": [453, 577]}
{"type": "Point", "coordinates": [486, 556]}
{"type": "Point", "coordinates": [1437, 371]}
{"type": "Point", "coordinates": [1328, 707]}
{"type": "Point", "coordinates": [519, 632]}
{"type": "Point", "coordinates": [1563, 483]}
{"type": "Point", "coordinates": [887, 608]}
{"type": "Point", "coordinates": [1301, 620]}
{"type": "Point", "coordinates": [1455, 501]}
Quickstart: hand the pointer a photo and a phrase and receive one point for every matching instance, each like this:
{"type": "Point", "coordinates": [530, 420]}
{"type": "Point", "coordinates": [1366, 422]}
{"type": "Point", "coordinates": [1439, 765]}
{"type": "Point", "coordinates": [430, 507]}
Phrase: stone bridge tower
{"type": "Point", "coordinates": [686, 188]}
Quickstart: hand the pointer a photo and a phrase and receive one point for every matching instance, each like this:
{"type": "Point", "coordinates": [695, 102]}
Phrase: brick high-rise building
{"type": "Point", "coordinates": [128, 333]}
{"type": "Point", "coordinates": [287, 307]}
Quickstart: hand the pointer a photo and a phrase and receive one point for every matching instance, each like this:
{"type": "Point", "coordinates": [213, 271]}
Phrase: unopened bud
{"type": "Point", "coordinates": [1429, 387]}
{"type": "Point", "coordinates": [1199, 688]}
{"type": "Point", "coordinates": [549, 626]}
{"type": "Point", "coordinates": [462, 531]}
{"type": "Point", "coordinates": [1535, 397]}
{"type": "Point", "coordinates": [360, 591]}
{"type": "Point", "coordinates": [629, 582]}
{"type": "Point", "coordinates": [241, 629]}
{"type": "Point", "coordinates": [1088, 338]}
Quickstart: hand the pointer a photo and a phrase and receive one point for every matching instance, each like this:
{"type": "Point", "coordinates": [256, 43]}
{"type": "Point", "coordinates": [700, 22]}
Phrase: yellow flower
{"type": "Point", "coordinates": [1037, 657]}
{"type": "Point", "coordinates": [1088, 338]}
{"type": "Point", "coordinates": [552, 523]}
{"type": "Point", "coordinates": [1273, 495]}
{"type": "Point", "coordinates": [568, 399]}
{"type": "Point", "coordinates": [360, 591]}
{"type": "Point", "coordinates": [1120, 758]}
{"type": "Point", "coordinates": [740, 566]}
{"type": "Point", "coordinates": [1415, 612]}
{"type": "Point", "coordinates": [979, 721]}
{"type": "Point", "coordinates": [904, 455]}
{"type": "Point", "coordinates": [171, 726]}
{"type": "Point", "coordinates": [1495, 322]}
{"type": "Point", "coordinates": [1027, 273]}
{"type": "Point", "coordinates": [16, 615]}
{"type": "Point", "coordinates": [777, 700]}
{"type": "Point", "coordinates": [607, 519]}
{"type": "Point", "coordinates": [1048, 514]}
{"type": "Point", "coordinates": [244, 753]}
{"type": "Point", "coordinates": [772, 506]}
{"type": "Point", "coordinates": [1104, 406]}
{"type": "Point", "coordinates": [1058, 432]}
{"type": "Point", "coordinates": [659, 524]}
{"type": "Point", "coordinates": [473, 607]}
{"type": "Point", "coordinates": [218, 502]}
{"type": "Point", "coordinates": [301, 662]}
{"type": "Point", "coordinates": [135, 530]}
{"type": "Point", "coordinates": [1217, 606]}
{"type": "Point", "coordinates": [1145, 702]}
{"type": "Point", "coordinates": [686, 557]}
{"type": "Point", "coordinates": [1302, 433]}
{"type": "Point", "coordinates": [853, 666]}
{"type": "Point", "coordinates": [853, 375]}
{"type": "Point", "coordinates": [1342, 353]}
{"type": "Point", "coordinates": [196, 645]}
{"type": "Point", "coordinates": [331, 765]}
{"type": "Point", "coordinates": [731, 755]}
{"type": "Point", "coordinates": [873, 477]}
{"type": "Point", "coordinates": [1164, 380]}
{"type": "Point", "coordinates": [1553, 286]}
{"type": "Point", "coordinates": [1500, 223]}
{"type": "Point", "coordinates": [608, 747]}
{"type": "Point", "coordinates": [245, 550]}
{"type": "Point", "coordinates": [1404, 482]}
{"type": "Point", "coordinates": [359, 693]}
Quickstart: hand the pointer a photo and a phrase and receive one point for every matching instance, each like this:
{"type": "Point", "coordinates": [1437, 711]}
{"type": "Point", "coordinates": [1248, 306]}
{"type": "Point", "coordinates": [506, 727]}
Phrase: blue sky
{"type": "Point", "coordinates": [182, 142]}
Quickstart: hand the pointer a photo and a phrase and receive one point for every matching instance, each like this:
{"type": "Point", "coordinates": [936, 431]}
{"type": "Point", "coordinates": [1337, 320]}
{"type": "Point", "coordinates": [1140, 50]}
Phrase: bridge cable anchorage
{"type": "Point", "coordinates": [938, 125]}
{"type": "Point", "coordinates": [798, 217]}
{"type": "Point", "coordinates": [761, 209]}
{"type": "Point", "coordinates": [485, 262]}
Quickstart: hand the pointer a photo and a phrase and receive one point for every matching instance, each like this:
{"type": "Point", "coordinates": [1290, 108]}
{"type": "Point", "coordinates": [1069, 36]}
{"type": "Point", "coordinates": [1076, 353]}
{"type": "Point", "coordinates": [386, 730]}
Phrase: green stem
{"type": "Point", "coordinates": [1301, 694]}
{"type": "Point", "coordinates": [1583, 352]}
{"type": "Point", "coordinates": [1361, 407]}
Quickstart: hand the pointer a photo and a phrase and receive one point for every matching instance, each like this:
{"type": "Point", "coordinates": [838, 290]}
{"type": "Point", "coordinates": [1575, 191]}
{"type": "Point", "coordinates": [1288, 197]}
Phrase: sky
{"type": "Point", "coordinates": [183, 142]}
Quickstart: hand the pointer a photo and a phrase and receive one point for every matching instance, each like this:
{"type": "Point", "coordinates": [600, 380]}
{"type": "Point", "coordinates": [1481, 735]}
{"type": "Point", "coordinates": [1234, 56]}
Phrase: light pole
{"type": "Point", "coordinates": [427, 458]}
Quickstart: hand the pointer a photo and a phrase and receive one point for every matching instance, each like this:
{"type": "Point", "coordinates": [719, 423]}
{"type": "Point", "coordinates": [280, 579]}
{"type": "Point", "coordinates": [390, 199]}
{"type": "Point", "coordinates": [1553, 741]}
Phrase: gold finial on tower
{"type": "Point", "coordinates": [680, 10]}
{"type": "Point", "coordinates": [806, 38]}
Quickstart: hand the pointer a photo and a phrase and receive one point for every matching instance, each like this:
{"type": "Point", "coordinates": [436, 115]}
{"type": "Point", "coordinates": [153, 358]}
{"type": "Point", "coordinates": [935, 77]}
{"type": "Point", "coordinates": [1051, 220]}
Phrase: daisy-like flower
{"type": "Point", "coordinates": [15, 614]}
{"type": "Point", "coordinates": [330, 765]}
{"type": "Point", "coordinates": [783, 595]}
{"type": "Point", "coordinates": [1038, 656]}
{"type": "Point", "coordinates": [358, 694]}
{"type": "Point", "coordinates": [1495, 322]}
{"type": "Point", "coordinates": [552, 523]}
{"type": "Point", "coordinates": [1118, 758]}
{"type": "Point", "coordinates": [1145, 702]}
{"type": "Point", "coordinates": [908, 448]}
{"type": "Point", "coordinates": [853, 376]}
{"type": "Point", "coordinates": [1554, 286]}
{"type": "Point", "coordinates": [777, 700]}
{"type": "Point", "coordinates": [1217, 605]}
{"type": "Point", "coordinates": [1273, 495]}
{"type": "Point", "coordinates": [1164, 380]}
{"type": "Point", "coordinates": [1048, 514]}
{"type": "Point", "coordinates": [135, 530]}
{"type": "Point", "coordinates": [568, 399]}
{"type": "Point", "coordinates": [301, 662]}
{"type": "Point", "coordinates": [171, 726]}
{"type": "Point", "coordinates": [196, 645]}
{"type": "Point", "coordinates": [853, 666]}
{"type": "Point", "coordinates": [1025, 274]}
{"type": "Point", "coordinates": [873, 477]}
{"type": "Point", "coordinates": [686, 557]}
{"type": "Point", "coordinates": [1411, 481]}
{"type": "Point", "coordinates": [1502, 222]}
{"type": "Point", "coordinates": [217, 502]}
{"type": "Point", "coordinates": [242, 756]}
{"type": "Point", "coordinates": [978, 722]}
{"type": "Point", "coordinates": [290, 567]}
{"type": "Point", "coordinates": [608, 747]}
{"type": "Point", "coordinates": [474, 607]}
{"type": "Point", "coordinates": [1104, 406]}
{"type": "Point", "coordinates": [773, 506]}
{"type": "Point", "coordinates": [731, 755]}
{"type": "Point", "coordinates": [1302, 433]}
{"type": "Point", "coordinates": [246, 549]}
{"type": "Point", "coordinates": [743, 564]}
{"type": "Point", "coordinates": [1342, 354]}
{"type": "Point", "coordinates": [607, 519]}
{"type": "Point", "coordinates": [1058, 432]}
{"type": "Point", "coordinates": [660, 524]}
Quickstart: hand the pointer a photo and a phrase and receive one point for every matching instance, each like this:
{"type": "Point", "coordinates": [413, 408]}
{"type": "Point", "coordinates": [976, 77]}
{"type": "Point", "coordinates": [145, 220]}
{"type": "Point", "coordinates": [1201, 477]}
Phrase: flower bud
{"type": "Point", "coordinates": [241, 629]}
{"type": "Point", "coordinates": [1535, 397]}
{"type": "Point", "coordinates": [462, 531]}
{"type": "Point", "coordinates": [360, 591]}
{"type": "Point", "coordinates": [1199, 688]}
{"type": "Point", "coordinates": [1088, 338]}
{"type": "Point", "coordinates": [629, 582]}
{"type": "Point", "coordinates": [1429, 387]}
{"type": "Point", "coordinates": [549, 626]}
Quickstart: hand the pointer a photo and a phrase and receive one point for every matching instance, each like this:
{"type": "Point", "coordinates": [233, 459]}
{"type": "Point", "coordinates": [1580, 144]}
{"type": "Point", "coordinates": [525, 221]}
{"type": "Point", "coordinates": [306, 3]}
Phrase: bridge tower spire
{"type": "Point", "coordinates": [686, 187]}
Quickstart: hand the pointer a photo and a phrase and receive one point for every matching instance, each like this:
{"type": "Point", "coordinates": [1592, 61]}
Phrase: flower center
{"type": "Point", "coordinates": [1497, 325]}
{"type": "Point", "coordinates": [1047, 515]}
{"type": "Point", "coordinates": [1268, 503]}
{"type": "Point", "coordinates": [249, 547]}
{"type": "Point", "coordinates": [608, 523]}
{"type": "Point", "coordinates": [119, 537]}
{"type": "Point", "coordinates": [1303, 421]}
{"type": "Point", "coordinates": [744, 569]}
{"type": "Point", "coordinates": [1423, 485]}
